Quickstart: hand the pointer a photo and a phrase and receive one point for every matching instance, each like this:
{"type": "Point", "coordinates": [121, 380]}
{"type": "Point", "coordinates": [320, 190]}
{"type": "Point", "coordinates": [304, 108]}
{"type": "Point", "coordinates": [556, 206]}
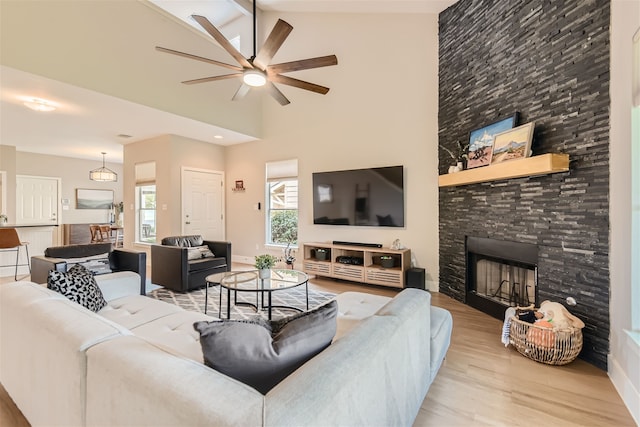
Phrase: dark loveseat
{"type": "Point", "coordinates": [175, 263]}
{"type": "Point", "coordinates": [57, 257]}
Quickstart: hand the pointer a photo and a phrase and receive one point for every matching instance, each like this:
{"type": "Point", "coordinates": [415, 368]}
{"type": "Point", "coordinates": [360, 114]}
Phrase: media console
{"type": "Point", "coordinates": [357, 263]}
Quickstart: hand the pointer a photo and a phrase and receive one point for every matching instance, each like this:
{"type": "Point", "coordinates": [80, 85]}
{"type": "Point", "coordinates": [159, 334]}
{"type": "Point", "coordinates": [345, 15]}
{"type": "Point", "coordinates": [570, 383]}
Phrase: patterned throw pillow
{"type": "Point", "coordinates": [198, 252]}
{"type": "Point", "coordinates": [79, 285]}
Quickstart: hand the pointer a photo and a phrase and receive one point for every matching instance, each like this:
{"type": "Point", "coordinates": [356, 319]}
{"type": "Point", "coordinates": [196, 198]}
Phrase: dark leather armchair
{"type": "Point", "coordinates": [55, 258]}
{"type": "Point", "coordinates": [173, 268]}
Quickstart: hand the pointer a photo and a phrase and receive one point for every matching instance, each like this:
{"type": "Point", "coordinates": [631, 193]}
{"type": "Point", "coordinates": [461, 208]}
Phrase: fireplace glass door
{"type": "Point", "coordinates": [500, 274]}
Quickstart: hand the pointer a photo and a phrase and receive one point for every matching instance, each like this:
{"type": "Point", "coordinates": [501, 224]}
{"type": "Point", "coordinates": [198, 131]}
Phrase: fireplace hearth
{"type": "Point", "coordinates": [500, 274]}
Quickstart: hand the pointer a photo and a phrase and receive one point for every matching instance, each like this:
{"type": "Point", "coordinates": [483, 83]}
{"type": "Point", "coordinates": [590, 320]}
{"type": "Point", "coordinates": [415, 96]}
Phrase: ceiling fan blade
{"type": "Point", "coordinates": [212, 79]}
{"type": "Point", "coordinates": [285, 80]}
{"type": "Point", "coordinates": [241, 92]}
{"type": "Point", "coordinates": [222, 40]}
{"type": "Point", "coordinates": [278, 35]}
{"type": "Point", "coordinates": [277, 95]}
{"type": "Point", "coordinates": [303, 64]}
{"type": "Point", "coordinates": [198, 58]}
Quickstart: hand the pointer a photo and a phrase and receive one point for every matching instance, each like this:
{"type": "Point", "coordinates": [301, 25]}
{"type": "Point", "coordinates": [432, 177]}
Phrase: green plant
{"type": "Point", "coordinates": [284, 226]}
{"type": "Point", "coordinates": [265, 261]}
{"type": "Point", "coordinates": [460, 153]}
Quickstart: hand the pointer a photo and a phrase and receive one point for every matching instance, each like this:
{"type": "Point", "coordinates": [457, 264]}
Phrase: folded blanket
{"type": "Point", "coordinates": [508, 314]}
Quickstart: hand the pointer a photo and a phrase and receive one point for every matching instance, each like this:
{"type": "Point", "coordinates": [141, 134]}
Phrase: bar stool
{"type": "Point", "coordinates": [9, 241]}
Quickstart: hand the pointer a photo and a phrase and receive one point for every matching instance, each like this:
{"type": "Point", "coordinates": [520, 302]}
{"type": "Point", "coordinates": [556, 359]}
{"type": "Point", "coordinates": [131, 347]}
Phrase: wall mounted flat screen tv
{"type": "Point", "coordinates": [359, 197]}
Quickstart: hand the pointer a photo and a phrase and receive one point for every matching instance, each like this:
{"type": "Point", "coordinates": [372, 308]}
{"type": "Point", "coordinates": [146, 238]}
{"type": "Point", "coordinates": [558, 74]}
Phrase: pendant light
{"type": "Point", "coordinates": [103, 174]}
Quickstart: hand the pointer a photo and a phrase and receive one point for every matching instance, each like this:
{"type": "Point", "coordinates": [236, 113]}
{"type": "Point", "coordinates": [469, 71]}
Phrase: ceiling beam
{"type": "Point", "coordinates": [244, 6]}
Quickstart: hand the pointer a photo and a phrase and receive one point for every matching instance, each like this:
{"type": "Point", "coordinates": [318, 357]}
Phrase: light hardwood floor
{"type": "Point", "coordinates": [482, 383]}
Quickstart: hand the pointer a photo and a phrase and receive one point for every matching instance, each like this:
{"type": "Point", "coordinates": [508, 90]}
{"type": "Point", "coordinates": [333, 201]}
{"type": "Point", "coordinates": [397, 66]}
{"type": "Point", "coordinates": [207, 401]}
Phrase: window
{"type": "Point", "coordinates": [146, 223]}
{"type": "Point", "coordinates": [146, 203]}
{"type": "Point", "coordinates": [282, 202]}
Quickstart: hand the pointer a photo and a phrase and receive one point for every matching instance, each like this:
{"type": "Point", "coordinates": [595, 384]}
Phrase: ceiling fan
{"type": "Point", "coordinates": [256, 71]}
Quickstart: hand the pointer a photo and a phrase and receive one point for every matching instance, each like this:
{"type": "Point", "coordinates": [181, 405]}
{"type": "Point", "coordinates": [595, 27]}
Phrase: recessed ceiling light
{"type": "Point", "coordinates": [217, 136]}
{"type": "Point", "coordinates": [38, 104]}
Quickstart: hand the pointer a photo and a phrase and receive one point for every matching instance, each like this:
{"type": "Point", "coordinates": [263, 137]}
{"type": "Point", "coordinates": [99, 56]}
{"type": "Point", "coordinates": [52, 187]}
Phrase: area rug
{"type": "Point", "coordinates": [194, 301]}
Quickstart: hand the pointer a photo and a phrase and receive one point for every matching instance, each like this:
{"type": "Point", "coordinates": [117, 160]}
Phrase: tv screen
{"type": "Point", "coordinates": [361, 197]}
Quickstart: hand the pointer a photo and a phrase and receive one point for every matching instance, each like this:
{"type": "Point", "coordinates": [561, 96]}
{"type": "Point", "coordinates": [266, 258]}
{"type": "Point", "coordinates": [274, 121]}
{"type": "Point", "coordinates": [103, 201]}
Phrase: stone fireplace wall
{"type": "Point", "coordinates": [549, 61]}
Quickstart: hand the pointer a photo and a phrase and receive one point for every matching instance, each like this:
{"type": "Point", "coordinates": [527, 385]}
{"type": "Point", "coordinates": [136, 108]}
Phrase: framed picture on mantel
{"type": "Point", "coordinates": [513, 144]}
{"type": "Point", "coordinates": [481, 141]}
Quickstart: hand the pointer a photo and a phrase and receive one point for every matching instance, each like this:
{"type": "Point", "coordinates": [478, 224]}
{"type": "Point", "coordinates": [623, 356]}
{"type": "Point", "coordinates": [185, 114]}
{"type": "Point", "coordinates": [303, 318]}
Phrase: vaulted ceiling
{"type": "Point", "coordinates": [95, 59]}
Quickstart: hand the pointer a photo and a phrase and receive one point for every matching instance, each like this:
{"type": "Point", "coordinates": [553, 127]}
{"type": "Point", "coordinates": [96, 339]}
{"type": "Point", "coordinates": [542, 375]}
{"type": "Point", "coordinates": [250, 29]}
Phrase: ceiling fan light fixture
{"type": "Point", "coordinates": [254, 78]}
{"type": "Point", "coordinates": [103, 174]}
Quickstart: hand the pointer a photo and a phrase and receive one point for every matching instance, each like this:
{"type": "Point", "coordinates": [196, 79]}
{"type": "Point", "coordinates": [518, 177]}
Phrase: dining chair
{"type": "Point", "coordinates": [9, 242]}
{"type": "Point", "coordinates": [96, 234]}
{"type": "Point", "coordinates": [105, 233]}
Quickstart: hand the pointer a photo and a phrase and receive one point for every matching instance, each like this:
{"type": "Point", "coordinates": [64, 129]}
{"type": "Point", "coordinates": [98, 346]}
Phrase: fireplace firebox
{"type": "Point", "coordinates": [500, 274]}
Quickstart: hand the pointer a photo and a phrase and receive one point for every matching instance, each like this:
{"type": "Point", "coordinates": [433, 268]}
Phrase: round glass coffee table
{"type": "Point", "coordinates": [249, 281]}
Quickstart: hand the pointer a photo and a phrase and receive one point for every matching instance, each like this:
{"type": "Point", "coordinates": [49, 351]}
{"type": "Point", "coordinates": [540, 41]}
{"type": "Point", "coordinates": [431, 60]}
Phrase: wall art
{"type": "Point", "coordinates": [93, 199]}
{"type": "Point", "coordinates": [513, 144]}
{"type": "Point", "coordinates": [481, 141]}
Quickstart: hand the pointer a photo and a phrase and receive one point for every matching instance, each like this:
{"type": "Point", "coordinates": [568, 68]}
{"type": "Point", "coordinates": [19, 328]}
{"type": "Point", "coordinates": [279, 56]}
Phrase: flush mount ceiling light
{"type": "Point", "coordinates": [38, 104]}
{"type": "Point", "coordinates": [103, 174]}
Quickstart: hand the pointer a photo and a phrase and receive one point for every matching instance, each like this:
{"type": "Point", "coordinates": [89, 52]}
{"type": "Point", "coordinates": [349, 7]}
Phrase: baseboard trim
{"type": "Point", "coordinates": [243, 259]}
{"type": "Point", "coordinates": [630, 396]}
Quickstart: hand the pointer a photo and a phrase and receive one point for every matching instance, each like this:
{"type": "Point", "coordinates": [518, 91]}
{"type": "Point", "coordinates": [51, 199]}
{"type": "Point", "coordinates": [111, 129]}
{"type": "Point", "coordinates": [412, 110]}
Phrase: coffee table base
{"type": "Point", "coordinates": [258, 306]}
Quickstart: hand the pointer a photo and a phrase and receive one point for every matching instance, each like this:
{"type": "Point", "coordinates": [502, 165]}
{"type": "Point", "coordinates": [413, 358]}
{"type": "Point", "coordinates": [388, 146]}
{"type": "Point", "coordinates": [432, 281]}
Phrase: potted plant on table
{"type": "Point", "coordinates": [264, 264]}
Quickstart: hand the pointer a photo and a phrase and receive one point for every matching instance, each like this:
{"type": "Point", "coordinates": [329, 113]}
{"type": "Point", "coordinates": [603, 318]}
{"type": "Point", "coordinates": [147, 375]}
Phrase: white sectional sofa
{"type": "Point", "coordinates": [138, 362]}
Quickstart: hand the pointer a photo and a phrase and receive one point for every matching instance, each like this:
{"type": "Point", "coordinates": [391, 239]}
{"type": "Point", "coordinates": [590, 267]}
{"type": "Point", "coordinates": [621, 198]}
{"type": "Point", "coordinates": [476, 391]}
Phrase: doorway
{"type": "Point", "coordinates": [203, 203]}
{"type": "Point", "coordinates": [37, 199]}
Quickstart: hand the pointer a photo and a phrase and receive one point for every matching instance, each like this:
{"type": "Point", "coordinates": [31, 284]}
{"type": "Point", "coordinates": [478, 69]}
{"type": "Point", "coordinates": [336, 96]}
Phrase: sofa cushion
{"type": "Point", "coordinates": [136, 310]}
{"type": "Point", "coordinates": [175, 334]}
{"type": "Point", "coordinates": [79, 286]}
{"type": "Point", "coordinates": [441, 328]}
{"type": "Point", "coordinates": [119, 284]}
{"type": "Point", "coordinates": [207, 264]}
{"type": "Point", "coordinates": [97, 265]}
{"type": "Point", "coordinates": [183, 241]}
{"type": "Point", "coordinates": [77, 251]}
{"type": "Point", "coordinates": [199, 252]}
{"type": "Point", "coordinates": [354, 307]}
{"type": "Point", "coordinates": [261, 357]}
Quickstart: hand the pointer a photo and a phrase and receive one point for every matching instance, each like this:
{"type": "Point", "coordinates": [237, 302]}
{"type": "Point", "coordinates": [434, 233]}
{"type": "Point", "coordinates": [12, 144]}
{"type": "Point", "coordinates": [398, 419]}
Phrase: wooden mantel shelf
{"type": "Point", "coordinates": [531, 166]}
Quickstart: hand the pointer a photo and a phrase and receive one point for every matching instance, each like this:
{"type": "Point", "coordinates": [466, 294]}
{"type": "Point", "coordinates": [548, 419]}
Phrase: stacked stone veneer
{"type": "Point", "coordinates": [549, 61]}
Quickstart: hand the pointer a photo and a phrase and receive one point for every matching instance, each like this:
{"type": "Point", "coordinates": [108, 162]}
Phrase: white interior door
{"type": "Point", "coordinates": [37, 200]}
{"type": "Point", "coordinates": [203, 204]}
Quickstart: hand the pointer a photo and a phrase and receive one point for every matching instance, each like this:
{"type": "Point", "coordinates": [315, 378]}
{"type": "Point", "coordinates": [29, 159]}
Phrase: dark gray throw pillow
{"type": "Point", "coordinates": [261, 355]}
{"type": "Point", "coordinates": [79, 285]}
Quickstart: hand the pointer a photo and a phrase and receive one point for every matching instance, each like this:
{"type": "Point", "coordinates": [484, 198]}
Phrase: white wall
{"type": "Point", "coordinates": [170, 153]}
{"type": "Point", "coordinates": [624, 357]}
{"type": "Point", "coordinates": [74, 174]}
{"type": "Point", "coordinates": [382, 110]}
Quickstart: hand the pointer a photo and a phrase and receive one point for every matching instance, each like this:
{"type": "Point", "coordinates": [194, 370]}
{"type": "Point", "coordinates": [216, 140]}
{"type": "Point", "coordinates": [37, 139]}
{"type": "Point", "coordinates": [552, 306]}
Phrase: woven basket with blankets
{"type": "Point", "coordinates": [549, 334]}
